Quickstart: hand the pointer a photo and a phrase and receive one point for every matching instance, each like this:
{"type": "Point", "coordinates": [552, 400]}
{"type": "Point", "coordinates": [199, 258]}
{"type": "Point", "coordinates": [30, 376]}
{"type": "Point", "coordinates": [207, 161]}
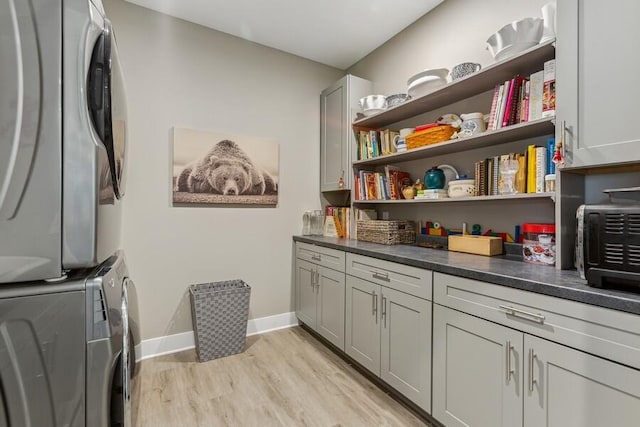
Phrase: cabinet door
{"type": "Point", "coordinates": [569, 388]}
{"type": "Point", "coordinates": [306, 292]}
{"type": "Point", "coordinates": [477, 371]}
{"type": "Point", "coordinates": [406, 345]}
{"type": "Point", "coordinates": [362, 334]}
{"type": "Point", "coordinates": [330, 320]}
{"type": "Point", "coordinates": [598, 88]}
{"type": "Point", "coordinates": [334, 131]}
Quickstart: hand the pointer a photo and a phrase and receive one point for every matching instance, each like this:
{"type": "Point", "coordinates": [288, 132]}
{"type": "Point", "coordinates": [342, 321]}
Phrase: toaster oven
{"type": "Point", "coordinates": [608, 244]}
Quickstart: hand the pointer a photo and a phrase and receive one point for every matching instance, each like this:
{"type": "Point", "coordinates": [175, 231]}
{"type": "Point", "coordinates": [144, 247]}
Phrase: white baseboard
{"type": "Point", "coordinates": [168, 344]}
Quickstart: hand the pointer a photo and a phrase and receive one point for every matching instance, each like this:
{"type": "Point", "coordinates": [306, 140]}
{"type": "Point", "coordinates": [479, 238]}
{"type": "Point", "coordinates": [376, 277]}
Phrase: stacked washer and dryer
{"type": "Point", "coordinates": [68, 308]}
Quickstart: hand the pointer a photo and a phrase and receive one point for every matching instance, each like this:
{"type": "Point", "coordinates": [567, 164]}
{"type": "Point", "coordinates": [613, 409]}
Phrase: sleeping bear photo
{"type": "Point", "coordinates": [226, 169]}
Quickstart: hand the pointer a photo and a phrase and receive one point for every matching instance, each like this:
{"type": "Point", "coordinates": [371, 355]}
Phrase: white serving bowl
{"type": "Point", "coordinates": [372, 102]}
{"type": "Point", "coordinates": [515, 37]}
{"type": "Point", "coordinates": [371, 111]}
{"type": "Point", "coordinates": [426, 81]}
{"type": "Point", "coordinates": [461, 188]}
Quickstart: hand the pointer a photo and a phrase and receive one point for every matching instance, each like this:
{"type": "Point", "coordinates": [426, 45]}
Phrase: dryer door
{"type": "Point", "coordinates": [108, 108]}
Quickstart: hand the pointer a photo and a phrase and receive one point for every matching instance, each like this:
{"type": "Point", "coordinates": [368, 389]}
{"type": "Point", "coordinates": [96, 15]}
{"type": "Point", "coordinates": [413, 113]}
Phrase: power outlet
{"type": "Point", "coordinates": [385, 215]}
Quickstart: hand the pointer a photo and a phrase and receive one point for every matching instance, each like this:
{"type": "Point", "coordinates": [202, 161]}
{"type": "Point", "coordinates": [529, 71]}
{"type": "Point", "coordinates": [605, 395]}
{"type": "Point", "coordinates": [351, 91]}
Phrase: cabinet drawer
{"type": "Point", "coordinates": [601, 331]}
{"type": "Point", "coordinates": [404, 278]}
{"type": "Point", "coordinates": [327, 257]}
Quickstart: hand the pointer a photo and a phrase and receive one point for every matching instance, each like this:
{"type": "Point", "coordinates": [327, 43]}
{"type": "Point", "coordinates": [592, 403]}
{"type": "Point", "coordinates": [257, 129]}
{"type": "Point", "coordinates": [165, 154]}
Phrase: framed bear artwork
{"type": "Point", "coordinates": [217, 168]}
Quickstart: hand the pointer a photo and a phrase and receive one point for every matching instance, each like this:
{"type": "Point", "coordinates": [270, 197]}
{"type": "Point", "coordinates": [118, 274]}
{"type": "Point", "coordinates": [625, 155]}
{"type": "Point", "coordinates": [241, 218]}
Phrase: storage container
{"type": "Point", "coordinates": [539, 243]}
{"type": "Point", "coordinates": [386, 232]}
{"type": "Point", "coordinates": [219, 313]}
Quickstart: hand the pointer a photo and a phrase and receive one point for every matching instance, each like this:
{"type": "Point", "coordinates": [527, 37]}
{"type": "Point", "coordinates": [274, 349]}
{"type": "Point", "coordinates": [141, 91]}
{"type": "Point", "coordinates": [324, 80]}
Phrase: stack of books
{"type": "Point", "coordinates": [375, 185]}
{"type": "Point", "coordinates": [533, 165]}
{"type": "Point", "coordinates": [524, 98]}
{"type": "Point", "coordinates": [373, 143]}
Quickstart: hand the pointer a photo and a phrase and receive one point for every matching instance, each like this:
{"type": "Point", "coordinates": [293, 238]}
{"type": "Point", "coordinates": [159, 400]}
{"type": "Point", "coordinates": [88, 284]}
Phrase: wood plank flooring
{"type": "Point", "coordinates": [284, 378]}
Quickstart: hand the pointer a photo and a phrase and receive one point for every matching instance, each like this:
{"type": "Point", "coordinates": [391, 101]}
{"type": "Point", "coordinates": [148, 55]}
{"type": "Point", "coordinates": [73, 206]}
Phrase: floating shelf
{"type": "Point", "coordinates": [485, 139]}
{"type": "Point", "coordinates": [461, 199]}
{"type": "Point", "coordinates": [526, 62]}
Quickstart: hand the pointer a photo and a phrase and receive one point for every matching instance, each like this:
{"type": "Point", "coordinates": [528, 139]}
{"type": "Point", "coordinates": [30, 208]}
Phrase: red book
{"type": "Point", "coordinates": [507, 108]}
{"type": "Point", "coordinates": [515, 99]}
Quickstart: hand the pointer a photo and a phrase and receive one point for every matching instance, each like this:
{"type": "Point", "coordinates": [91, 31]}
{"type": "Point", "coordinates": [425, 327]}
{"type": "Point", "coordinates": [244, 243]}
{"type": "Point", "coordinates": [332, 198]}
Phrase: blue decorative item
{"type": "Point", "coordinates": [434, 178]}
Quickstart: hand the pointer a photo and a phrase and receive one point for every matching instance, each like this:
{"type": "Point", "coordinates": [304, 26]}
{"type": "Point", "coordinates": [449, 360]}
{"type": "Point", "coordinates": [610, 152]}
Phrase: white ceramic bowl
{"type": "Point", "coordinates": [371, 111]}
{"type": "Point", "coordinates": [371, 102]}
{"type": "Point", "coordinates": [515, 37]}
{"type": "Point", "coordinates": [426, 81]}
{"type": "Point", "coordinates": [461, 188]}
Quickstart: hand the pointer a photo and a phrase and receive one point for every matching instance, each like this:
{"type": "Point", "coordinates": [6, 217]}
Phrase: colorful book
{"type": "Point", "coordinates": [549, 89]}
{"type": "Point", "coordinates": [535, 95]}
{"type": "Point", "coordinates": [551, 150]}
{"type": "Point", "coordinates": [509, 106]}
{"type": "Point", "coordinates": [503, 103]}
{"type": "Point", "coordinates": [494, 103]}
{"type": "Point", "coordinates": [541, 168]}
{"type": "Point", "coordinates": [531, 169]}
{"type": "Point", "coordinates": [521, 175]}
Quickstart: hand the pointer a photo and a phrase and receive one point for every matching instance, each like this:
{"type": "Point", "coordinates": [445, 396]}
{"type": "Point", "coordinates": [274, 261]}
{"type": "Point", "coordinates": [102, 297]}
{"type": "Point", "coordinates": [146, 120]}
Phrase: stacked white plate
{"type": "Point", "coordinates": [426, 81]}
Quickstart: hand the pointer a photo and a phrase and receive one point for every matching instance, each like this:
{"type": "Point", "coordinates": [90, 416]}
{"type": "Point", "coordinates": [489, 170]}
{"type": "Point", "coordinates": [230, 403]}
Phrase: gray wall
{"type": "Point", "coordinates": [184, 75]}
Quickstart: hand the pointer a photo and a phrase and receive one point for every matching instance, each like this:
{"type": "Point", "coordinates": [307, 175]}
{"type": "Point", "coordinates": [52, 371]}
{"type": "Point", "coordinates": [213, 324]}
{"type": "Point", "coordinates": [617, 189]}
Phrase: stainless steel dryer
{"type": "Point", "coordinates": [67, 350]}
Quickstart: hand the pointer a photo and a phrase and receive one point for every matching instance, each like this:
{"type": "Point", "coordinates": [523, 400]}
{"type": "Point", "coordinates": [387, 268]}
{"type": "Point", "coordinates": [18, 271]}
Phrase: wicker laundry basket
{"type": "Point", "coordinates": [219, 313]}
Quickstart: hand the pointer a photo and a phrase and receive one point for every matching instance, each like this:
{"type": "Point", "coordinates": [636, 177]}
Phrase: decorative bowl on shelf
{"type": "Point", "coordinates": [426, 81]}
{"type": "Point", "coordinates": [372, 102]}
{"type": "Point", "coordinates": [371, 111]}
{"type": "Point", "coordinates": [461, 188]}
{"type": "Point", "coordinates": [397, 99]}
{"type": "Point", "coordinates": [515, 37]}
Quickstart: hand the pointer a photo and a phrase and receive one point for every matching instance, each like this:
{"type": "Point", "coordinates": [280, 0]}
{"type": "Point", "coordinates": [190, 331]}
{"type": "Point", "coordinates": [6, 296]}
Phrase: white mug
{"type": "Point", "coordinates": [406, 131]}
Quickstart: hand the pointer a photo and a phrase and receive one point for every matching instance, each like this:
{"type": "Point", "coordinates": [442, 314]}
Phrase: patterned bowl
{"type": "Point", "coordinates": [397, 99]}
{"type": "Point", "coordinates": [461, 188]}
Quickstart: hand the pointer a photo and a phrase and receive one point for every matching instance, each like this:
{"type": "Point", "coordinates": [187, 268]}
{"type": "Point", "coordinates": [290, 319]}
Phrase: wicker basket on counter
{"type": "Point", "coordinates": [429, 136]}
{"type": "Point", "coordinates": [386, 232]}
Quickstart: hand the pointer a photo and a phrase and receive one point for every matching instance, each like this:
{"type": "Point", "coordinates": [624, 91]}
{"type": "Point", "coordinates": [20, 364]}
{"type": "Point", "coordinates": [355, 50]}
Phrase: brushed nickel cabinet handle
{"type": "Point", "coordinates": [316, 257]}
{"type": "Point", "coordinates": [313, 278]}
{"type": "Point", "coordinates": [384, 310]}
{"type": "Point", "coordinates": [532, 380]}
{"type": "Point", "coordinates": [510, 371]}
{"type": "Point", "coordinates": [374, 303]}
{"type": "Point", "coordinates": [380, 276]}
{"type": "Point", "coordinates": [516, 312]}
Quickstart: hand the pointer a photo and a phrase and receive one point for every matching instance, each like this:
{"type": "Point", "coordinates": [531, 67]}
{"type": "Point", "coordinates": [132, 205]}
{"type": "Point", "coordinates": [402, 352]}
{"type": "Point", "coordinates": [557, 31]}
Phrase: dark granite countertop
{"type": "Point", "coordinates": [507, 272]}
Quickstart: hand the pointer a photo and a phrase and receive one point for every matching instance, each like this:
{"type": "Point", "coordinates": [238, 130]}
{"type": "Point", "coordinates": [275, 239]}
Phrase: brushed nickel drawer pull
{"type": "Point", "coordinates": [316, 257]}
{"type": "Point", "coordinates": [516, 312]}
{"type": "Point", "coordinates": [380, 276]}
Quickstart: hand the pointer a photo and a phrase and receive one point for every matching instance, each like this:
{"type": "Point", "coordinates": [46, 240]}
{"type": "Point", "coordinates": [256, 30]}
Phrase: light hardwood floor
{"type": "Point", "coordinates": [284, 378]}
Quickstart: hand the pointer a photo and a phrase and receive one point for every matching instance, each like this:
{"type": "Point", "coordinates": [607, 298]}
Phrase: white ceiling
{"type": "Point", "coordinates": [333, 32]}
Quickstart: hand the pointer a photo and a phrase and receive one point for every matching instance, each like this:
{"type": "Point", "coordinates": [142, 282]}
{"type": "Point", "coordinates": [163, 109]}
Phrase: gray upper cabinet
{"type": "Point", "coordinates": [598, 84]}
{"type": "Point", "coordinates": [338, 108]}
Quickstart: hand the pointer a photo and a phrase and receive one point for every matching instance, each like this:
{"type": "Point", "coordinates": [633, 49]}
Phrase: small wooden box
{"type": "Point", "coordinates": [481, 245]}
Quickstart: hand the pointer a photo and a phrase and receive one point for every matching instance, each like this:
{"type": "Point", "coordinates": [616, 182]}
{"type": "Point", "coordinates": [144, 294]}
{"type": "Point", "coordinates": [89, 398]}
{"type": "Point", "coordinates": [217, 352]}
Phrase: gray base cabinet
{"type": "Point", "coordinates": [320, 291]}
{"type": "Point", "coordinates": [477, 371]}
{"type": "Point", "coordinates": [569, 388]}
{"type": "Point", "coordinates": [362, 337]}
{"type": "Point", "coordinates": [388, 331]}
{"type": "Point", "coordinates": [492, 371]}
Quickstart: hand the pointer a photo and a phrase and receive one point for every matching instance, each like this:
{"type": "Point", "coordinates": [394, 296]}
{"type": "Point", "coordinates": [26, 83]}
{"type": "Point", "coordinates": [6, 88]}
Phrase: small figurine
{"type": "Point", "coordinates": [557, 156]}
